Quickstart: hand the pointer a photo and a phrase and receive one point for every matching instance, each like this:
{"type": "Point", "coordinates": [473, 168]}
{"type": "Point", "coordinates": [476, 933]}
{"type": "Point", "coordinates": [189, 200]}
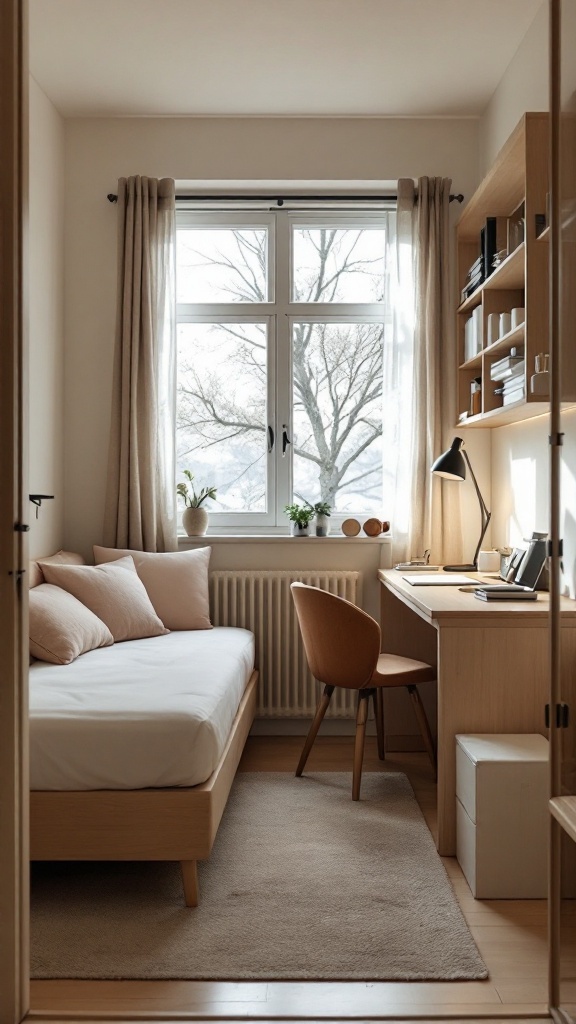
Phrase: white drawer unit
{"type": "Point", "coordinates": [501, 814]}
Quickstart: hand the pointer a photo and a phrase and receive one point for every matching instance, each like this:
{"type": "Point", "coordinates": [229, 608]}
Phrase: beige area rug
{"type": "Point", "coordinates": [302, 884]}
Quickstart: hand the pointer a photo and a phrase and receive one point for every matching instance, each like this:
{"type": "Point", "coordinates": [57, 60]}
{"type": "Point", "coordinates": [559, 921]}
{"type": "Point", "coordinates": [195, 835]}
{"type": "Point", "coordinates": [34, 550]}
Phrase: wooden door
{"type": "Point", "coordinates": [13, 507]}
{"type": "Point", "coordinates": [562, 244]}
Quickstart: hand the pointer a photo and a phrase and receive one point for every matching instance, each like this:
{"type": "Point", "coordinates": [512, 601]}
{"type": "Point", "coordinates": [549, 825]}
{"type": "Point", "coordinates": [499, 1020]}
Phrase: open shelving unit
{"type": "Point", "coordinates": [519, 175]}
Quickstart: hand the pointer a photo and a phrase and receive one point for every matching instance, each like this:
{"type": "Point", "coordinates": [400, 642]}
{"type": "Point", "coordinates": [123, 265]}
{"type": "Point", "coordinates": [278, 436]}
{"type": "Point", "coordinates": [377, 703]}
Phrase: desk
{"type": "Point", "coordinates": [492, 665]}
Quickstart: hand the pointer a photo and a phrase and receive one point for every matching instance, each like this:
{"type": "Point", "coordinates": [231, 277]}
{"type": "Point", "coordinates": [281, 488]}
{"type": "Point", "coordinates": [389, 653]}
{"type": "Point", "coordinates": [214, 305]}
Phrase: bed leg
{"type": "Point", "coordinates": [190, 880]}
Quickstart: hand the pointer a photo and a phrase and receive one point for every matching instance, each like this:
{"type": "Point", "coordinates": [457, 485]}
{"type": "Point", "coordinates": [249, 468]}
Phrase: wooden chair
{"type": "Point", "coordinates": [342, 645]}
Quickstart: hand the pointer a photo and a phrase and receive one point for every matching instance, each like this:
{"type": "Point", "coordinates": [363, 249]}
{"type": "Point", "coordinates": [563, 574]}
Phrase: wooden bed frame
{"type": "Point", "coordinates": [142, 824]}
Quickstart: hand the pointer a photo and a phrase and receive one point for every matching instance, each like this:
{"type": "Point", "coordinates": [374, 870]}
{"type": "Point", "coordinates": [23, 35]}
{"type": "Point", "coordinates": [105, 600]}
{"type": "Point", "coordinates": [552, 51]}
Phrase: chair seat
{"type": "Point", "coordinates": [394, 670]}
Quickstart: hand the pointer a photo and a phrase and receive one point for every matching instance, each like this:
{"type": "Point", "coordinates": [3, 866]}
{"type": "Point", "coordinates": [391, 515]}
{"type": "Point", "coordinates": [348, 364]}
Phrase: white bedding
{"type": "Point", "coordinates": [154, 712]}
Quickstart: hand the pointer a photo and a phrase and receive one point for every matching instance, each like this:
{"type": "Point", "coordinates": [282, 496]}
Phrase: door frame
{"type": "Point", "coordinates": [14, 901]}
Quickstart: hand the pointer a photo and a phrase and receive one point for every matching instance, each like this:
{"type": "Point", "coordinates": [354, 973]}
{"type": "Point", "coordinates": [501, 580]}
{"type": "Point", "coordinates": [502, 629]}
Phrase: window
{"type": "Point", "coordinates": [282, 326]}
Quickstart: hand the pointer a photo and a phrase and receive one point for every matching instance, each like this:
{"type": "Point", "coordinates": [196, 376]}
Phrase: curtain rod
{"type": "Point", "coordinates": [459, 198]}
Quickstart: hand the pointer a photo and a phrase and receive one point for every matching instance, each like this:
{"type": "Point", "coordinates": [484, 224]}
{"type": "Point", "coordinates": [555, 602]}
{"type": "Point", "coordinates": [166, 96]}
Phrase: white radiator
{"type": "Point", "coordinates": [261, 601]}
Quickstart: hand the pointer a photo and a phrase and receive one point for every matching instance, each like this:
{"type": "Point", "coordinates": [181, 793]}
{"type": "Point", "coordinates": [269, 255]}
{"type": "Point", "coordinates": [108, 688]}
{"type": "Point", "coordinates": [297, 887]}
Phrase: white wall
{"type": "Point", "coordinates": [519, 485]}
{"type": "Point", "coordinates": [520, 453]}
{"type": "Point", "coordinates": [98, 151]}
{"type": "Point", "coordinates": [524, 86]}
{"type": "Point", "coordinates": [46, 321]}
{"type": "Point", "coordinates": [520, 481]}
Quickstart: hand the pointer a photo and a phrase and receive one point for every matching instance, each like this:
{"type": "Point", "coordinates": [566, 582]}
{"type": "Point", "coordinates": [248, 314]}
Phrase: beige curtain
{"type": "Point", "coordinates": [398, 360]}
{"type": "Point", "coordinates": [435, 504]}
{"type": "Point", "coordinates": [140, 501]}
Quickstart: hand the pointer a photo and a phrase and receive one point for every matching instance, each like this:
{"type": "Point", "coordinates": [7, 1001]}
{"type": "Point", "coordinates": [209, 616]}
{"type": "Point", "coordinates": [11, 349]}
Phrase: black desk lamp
{"type": "Point", "coordinates": [452, 466]}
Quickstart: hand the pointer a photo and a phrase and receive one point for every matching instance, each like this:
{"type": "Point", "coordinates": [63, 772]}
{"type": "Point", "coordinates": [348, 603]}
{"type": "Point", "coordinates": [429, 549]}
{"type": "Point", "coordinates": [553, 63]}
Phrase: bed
{"type": "Point", "coordinates": [134, 748]}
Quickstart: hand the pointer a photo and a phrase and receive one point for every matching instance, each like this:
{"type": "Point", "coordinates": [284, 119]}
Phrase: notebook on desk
{"type": "Point", "coordinates": [445, 579]}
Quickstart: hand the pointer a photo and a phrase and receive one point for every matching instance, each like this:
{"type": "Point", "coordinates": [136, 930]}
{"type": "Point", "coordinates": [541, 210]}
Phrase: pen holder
{"type": "Point", "coordinates": [488, 561]}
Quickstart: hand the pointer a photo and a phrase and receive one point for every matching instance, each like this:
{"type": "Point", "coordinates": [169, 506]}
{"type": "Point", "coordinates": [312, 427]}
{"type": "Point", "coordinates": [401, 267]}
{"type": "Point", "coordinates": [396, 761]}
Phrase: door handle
{"type": "Point", "coordinates": [285, 439]}
{"type": "Point", "coordinates": [270, 440]}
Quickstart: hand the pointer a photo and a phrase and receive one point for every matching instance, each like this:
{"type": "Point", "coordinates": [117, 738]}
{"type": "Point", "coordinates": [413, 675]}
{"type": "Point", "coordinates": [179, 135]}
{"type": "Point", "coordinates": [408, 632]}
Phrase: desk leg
{"type": "Point", "coordinates": [490, 679]}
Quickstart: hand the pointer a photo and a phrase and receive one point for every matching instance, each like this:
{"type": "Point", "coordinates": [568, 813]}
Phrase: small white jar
{"type": "Point", "coordinates": [505, 324]}
{"type": "Point", "coordinates": [493, 328]}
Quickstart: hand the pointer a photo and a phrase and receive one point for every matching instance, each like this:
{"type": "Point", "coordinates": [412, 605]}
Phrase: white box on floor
{"type": "Point", "coordinates": [502, 814]}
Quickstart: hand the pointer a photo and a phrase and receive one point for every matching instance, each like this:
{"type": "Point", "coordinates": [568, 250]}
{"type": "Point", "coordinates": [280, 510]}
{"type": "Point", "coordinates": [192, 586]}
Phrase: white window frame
{"type": "Point", "coordinates": [280, 313]}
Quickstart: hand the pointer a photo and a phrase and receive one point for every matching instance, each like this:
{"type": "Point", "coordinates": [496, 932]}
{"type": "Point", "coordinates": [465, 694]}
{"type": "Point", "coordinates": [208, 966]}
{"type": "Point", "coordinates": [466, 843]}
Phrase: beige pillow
{"type": "Point", "coordinates": [114, 593]}
{"type": "Point", "coordinates": [60, 558]}
{"type": "Point", "coordinates": [176, 583]}
{"type": "Point", "coordinates": [61, 628]}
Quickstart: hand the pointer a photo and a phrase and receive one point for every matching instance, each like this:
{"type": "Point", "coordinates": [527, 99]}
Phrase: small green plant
{"type": "Point", "coordinates": [300, 514]}
{"type": "Point", "coordinates": [194, 500]}
{"type": "Point", "coordinates": [322, 508]}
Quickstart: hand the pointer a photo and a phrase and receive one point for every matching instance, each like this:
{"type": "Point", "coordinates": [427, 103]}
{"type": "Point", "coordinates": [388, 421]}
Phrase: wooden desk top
{"type": "Point", "coordinates": [436, 603]}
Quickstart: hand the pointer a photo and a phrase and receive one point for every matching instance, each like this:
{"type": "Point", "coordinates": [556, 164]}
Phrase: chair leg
{"type": "Point", "coordinates": [361, 716]}
{"type": "Point", "coordinates": [423, 725]}
{"type": "Point", "coordinates": [378, 699]}
{"type": "Point", "coordinates": [313, 731]}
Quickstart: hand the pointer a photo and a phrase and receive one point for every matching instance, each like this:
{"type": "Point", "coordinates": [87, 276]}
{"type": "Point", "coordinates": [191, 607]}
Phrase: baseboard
{"type": "Point", "coordinates": [330, 727]}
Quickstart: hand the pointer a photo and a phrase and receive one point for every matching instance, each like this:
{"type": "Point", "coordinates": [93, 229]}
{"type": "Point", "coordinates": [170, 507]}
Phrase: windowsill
{"type": "Point", "coordinates": [222, 538]}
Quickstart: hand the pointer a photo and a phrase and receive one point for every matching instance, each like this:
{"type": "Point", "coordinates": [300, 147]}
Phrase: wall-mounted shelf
{"type": "Point", "coordinates": [505, 414]}
{"type": "Point", "coordinates": [509, 274]}
{"type": "Point", "coordinates": [519, 176]}
{"type": "Point", "coordinates": [564, 810]}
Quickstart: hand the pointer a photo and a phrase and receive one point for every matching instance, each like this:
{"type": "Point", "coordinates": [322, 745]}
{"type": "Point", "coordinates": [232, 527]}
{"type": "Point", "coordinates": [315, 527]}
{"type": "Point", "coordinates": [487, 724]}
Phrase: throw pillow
{"type": "Point", "coordinates": [61, 558]}
{"type": "Point", "coordinates": [61, 628]}
{"type": "Point", "coordinates": [176, 583]}
{"type": "Point", "coordinates": [114, 593]}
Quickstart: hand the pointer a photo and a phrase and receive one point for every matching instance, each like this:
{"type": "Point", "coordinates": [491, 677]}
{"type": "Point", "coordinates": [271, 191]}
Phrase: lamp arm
{"type": "Point", "coordinates": [485, 514]}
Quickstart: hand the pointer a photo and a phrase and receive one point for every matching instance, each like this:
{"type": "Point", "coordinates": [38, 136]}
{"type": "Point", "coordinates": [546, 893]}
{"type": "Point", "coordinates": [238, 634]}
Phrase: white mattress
{"type": "Point", "coordinates": [154, 712]}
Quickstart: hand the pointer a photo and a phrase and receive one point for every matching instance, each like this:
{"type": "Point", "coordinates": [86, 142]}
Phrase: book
{"type": "Point", "coordinates": [405, 567]}
{"type": "Point", "coordinates": [514, 384]}
{"type": "Point", "coordinates": [441, 580]}
{"type": "Point", "coordinates": [510, 366]}
{"type": "Point", "coordinates": [478, 265]}
{"type": "Point", "coordinates": [488, 244]}
{"type": "Point", "coordinates": [504, 595]}
{"type": "Point", "coordinates": [513, 396]}
{"type": "Point", "coordinates": [499, 588]}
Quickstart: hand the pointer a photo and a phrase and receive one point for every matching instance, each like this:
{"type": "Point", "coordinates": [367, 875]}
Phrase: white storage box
{"type": "Point", "coordinates": [502, 814]}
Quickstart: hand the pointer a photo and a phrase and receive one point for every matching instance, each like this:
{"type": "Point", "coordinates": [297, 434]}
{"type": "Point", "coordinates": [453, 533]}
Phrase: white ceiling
{"type": "Point", "coordinates": [274, 57]}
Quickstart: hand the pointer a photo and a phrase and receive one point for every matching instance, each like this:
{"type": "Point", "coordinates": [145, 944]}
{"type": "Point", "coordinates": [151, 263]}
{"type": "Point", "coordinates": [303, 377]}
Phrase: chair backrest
{"type": "Point", "coordinates": [341, 641]}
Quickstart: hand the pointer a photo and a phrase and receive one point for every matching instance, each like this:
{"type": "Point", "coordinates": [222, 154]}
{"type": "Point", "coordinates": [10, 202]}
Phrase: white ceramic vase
{"type": "Point", "coordinates": [195, 521]}
{"type": "Point", "coordinates": [322, 525]}
{"type": "Point", "coordinates": [300, 531]}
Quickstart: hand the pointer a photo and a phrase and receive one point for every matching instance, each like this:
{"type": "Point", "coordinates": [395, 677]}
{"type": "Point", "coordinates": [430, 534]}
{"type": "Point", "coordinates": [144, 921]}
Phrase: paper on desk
{"type": "Point", "coordinates": [443, 579]}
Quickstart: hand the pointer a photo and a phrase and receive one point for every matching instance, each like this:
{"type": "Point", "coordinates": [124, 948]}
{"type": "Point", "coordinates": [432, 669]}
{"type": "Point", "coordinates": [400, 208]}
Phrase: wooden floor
{"type": "Point", "coordinates": [511, 936]}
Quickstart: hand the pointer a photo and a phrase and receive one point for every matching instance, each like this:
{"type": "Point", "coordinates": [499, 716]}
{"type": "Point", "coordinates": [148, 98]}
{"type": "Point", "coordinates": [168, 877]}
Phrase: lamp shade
{"type": "Point", "coordinates": [451, 465]}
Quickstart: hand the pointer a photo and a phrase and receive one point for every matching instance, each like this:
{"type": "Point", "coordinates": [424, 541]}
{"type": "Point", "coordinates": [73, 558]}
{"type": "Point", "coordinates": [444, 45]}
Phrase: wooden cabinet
{"type": "Point", "coordinates": [562, 245]}
{"type": "Point", "coordinates": [515, 193]}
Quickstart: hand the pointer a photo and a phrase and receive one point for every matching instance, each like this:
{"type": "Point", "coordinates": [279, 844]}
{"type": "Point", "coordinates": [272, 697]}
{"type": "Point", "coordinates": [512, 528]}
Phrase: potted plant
{"type": "Point", "coordinates": [194, 517]}
{"type": "Point", "coordinates": [322, 512]}
{"type": "Point", "coordinates": [300, 516]}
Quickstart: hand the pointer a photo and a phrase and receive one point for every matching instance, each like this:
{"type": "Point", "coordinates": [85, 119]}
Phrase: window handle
{"type": "Point", "coordinates": [285, 439]}
{"type": "Point", "coordinates": [270, 440]}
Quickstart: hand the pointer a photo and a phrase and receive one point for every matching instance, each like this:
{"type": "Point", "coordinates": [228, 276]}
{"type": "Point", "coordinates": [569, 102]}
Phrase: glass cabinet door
{"type": "Point", "coordinates": [563, 349]}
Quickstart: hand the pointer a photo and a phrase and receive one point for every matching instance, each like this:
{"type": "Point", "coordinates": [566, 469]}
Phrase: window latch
{"type": "Point", "coordinates": [285, 439]}
{"type": "Point", "coordinates": [270, 440]}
